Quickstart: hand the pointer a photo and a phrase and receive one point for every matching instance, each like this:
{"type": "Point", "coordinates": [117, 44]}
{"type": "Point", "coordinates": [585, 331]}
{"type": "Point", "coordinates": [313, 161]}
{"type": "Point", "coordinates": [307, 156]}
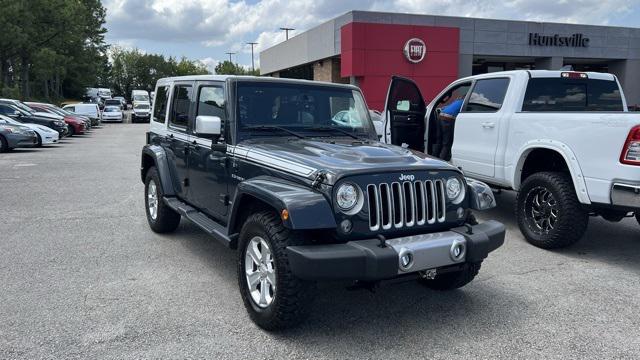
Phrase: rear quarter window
{"type": "Point", "coordinates": [558, 94]}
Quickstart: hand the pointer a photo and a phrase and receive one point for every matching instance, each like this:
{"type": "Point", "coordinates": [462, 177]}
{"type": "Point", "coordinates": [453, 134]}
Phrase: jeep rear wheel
{"type": "Point", "coordinates": [161, 218]}
{"type": "Point", "coordinates": [548, 211]}
{"type": "Point", "coordinates": [455, 279]}
{"type": "Point", "coordinates": [274, 297]}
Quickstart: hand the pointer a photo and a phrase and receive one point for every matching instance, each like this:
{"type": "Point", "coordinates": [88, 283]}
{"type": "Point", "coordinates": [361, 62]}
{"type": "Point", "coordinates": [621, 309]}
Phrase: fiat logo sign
{"type": "Point", "coordinates": [415, 50]}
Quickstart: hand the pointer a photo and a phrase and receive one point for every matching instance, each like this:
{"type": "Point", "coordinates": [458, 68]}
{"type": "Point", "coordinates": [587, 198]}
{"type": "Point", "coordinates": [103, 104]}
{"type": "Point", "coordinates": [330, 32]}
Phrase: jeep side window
{"type": "Point", "coordinates": [180, 104]}
{"type": "Point", "coordinates": [487, 95]}
{"type": "Point", "coordinates": [211, 102]}
{"type": "Point", "coordinates": [160, 107]}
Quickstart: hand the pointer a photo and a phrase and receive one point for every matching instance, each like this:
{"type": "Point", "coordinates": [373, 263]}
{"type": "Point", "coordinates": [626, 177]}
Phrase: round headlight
{"type": "Point", "coordinates": [455, 190]}
{"type": "Point", "coordinates": [347, 196]}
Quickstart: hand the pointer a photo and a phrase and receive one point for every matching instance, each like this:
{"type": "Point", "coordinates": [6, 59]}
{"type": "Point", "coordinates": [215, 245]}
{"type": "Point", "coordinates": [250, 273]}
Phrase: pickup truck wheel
{"type": "Point", "coordinates": [453, 280]}
{"type": "Point", "coordinates": [161, 218]}
{"type": "Point", "coordinates": [273, 296]}
{"type": "Point", "coordinates": [548, 211]}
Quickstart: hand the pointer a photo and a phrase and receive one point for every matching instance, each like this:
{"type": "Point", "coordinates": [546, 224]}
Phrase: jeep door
{"type": "Point", "coordinates": [177, 138]}
{"type": "Point", "coordinates": [404, 114]}
{"type": "Point", "coordinates": [477, 127]}
{"type": "Point", "coordinates": [208, 171]}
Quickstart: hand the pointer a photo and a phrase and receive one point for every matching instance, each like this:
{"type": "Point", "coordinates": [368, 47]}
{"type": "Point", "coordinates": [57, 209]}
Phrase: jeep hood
{"type": "Point", "coordinates": [336, 157]}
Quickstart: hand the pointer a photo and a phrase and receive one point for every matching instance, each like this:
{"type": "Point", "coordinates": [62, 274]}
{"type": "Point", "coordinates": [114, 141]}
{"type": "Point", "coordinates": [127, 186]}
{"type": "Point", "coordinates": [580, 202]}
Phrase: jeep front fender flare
{"type": "Point", "coordinates": [569, 157]}
{"type": "Point", "coordinates": [160, 161]}
{"type": "Point", "coordinates": [307, 208]}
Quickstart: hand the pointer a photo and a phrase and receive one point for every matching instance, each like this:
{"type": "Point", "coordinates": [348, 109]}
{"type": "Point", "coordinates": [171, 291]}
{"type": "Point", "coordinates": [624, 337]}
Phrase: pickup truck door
{"type": "Point", "coordinates": [403, 116]}
{"type": "Point", "coordinates": [177, 138]}
{"type": "Point", "coordinates": [208, 171]}
{"type": "Point", "coordinates": [476, 133]}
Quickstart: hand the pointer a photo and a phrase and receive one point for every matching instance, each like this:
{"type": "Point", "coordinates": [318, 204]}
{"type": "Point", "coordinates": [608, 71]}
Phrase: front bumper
{"type": "Point", "coordinates": [625, 195]}
{"type": "Point", "coordinates": [366, 260]}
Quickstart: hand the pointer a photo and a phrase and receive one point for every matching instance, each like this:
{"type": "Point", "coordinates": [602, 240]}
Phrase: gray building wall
{"type": "Point", "coordinates": [617, 46]}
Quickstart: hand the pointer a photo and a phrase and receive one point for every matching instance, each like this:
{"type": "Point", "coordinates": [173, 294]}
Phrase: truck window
{"type": "Point", "coordinates": [180, 106]}
{"type": "Point", "coordinates": [487, 95]}
{"type": "Point", "coordinates": [160, 106]}
{"type": "Point", "coordinates": [559, 94]}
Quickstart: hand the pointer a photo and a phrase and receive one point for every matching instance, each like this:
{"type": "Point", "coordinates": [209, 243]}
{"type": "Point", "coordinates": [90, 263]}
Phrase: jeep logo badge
{"type": "Point", "coordinates": [404, 177]}
{"type": "Point", "coordinates": [415, 50]}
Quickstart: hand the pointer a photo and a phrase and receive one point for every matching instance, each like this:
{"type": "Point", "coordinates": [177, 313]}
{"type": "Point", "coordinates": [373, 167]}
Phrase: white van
{"type": "Point", "coordinates": [141, 105]}
{"type": "Point", "coordinates": [92, 111]}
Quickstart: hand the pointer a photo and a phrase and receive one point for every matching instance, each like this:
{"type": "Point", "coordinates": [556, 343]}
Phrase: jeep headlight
{"type": "Point", "coordinates": [455, 190]}
{"type": "Point", "coordinates": [347, 196]}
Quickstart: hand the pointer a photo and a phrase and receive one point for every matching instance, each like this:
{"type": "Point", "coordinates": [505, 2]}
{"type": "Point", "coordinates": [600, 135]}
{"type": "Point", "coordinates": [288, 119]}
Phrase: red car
{"type": "Point", "coordinates": [77, 125]}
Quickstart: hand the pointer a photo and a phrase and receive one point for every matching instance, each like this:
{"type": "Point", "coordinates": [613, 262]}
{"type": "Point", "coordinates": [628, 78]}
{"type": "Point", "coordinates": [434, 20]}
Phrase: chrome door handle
{"type": "Point", "coordinates": [488, 125]}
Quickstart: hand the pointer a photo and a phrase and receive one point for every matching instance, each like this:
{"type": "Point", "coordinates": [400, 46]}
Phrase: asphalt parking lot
{"type": "Point", "coordinates": [82, 276]}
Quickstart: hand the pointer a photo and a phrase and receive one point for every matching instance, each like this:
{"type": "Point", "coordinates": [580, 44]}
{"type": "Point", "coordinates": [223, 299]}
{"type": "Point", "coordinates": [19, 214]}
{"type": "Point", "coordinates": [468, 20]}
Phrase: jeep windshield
{"type": "Point", "coordinates": [277, 109]}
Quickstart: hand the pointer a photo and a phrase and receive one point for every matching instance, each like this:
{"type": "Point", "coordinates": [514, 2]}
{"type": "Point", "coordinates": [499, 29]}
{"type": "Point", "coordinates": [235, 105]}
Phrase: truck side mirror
{"type": "Point", "coordinates": [208, 127]}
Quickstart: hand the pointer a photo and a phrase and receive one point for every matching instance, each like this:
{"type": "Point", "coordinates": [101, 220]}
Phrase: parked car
{"type": "Point", "coordinates": [14, 136]}
{"type": "Point", "coordinates": [77, 126]}
{"type": "Point", "coordinates": [23, 106]}
{"type": "Point", "coordinates": [92, 111]}
{"type": "Point", "coordinates": [123, 102]}
{"type": "Point", "coordinates": [112, 113]}
{"type": "Point", "coordinates": [45, 135]}
{"type": "Point", "coordinates": [113, 102]}
{"type": "Point", "coordinates": [563, 139]}
{"type": "Point", "coordinates": [304, 199]}
{"type": "Point", "coordinates": [141, 111]}
{"type": "Point", "coordinates": [26, 117]}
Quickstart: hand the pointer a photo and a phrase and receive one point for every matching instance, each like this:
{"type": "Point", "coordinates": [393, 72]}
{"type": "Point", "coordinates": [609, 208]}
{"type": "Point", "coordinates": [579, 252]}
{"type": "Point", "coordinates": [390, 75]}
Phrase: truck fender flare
{"type": "Point", "coordinates": [160, 161]}
{"type": "Point", "coordinates": [307, 208]}
{"type": "Point", "coordinates": [569, 157]}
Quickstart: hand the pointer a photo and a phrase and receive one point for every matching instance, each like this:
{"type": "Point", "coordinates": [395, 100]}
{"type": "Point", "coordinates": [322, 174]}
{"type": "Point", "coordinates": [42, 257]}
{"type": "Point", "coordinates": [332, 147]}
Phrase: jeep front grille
{"type": "Point", "coordinates": [405, 204]}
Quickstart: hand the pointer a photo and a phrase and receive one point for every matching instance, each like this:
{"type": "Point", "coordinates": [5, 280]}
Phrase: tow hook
{"type": "Point", "coordinates": [429, 274]}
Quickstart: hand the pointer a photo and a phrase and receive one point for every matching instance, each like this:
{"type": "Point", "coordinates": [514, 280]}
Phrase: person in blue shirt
{"type": "Point", "coordinates": [446, 123]}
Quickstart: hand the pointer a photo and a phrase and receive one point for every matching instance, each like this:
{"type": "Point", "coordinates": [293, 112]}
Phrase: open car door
{"type": "Point", "coordinates": [404, 115]}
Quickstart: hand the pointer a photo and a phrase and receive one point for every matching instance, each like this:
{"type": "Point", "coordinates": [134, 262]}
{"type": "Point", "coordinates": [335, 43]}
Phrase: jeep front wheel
{"type": "Point", "coordinates": [274, 297]}
{"type": "Point", "coordinates": [548, 211]}
{"type": "Point", "coordinates": [161, 218]}
{"type": "Point", "coordinates": [455, 279]}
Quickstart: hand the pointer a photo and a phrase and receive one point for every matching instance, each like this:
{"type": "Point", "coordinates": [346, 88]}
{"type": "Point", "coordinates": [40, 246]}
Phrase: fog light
{"type": "Point", "coordinates": [406, 259]}
{"type": "Point", "coordinates": [458, 250]}
{"type": "Point", "coordinates": [346, 226]}
{"type": "Point", "coordinates": [460, 212]}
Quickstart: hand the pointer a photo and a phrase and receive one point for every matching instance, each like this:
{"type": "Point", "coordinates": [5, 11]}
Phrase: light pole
{"type": "Point", "coordinates": [253, 67]}
{"type": "Point", "coordinates": [286, 31]}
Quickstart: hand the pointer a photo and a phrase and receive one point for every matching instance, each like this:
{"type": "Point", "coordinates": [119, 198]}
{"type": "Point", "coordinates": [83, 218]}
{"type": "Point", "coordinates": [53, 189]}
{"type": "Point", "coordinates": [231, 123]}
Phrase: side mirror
{"type": "Point", "coordinates": [17, 113]}
{"type": "Point", "coordinates": [208, 126]}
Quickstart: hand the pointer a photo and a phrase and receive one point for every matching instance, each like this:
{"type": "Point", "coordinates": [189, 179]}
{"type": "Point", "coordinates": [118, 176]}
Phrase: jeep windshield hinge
{"type": "Point", "coordinates": [320, 177]}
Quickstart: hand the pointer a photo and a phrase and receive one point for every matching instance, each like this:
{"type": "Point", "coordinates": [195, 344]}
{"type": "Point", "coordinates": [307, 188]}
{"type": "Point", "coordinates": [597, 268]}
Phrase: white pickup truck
{"type": "Point", "coordinates": [564, 140]}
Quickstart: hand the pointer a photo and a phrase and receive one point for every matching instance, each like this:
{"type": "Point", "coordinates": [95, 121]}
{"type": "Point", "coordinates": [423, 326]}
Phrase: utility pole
{"type": "Point", "coordinates": [253, 67]}
{"type": "Point", "coordinates": [230, 53]}
{"type": "Point", "coordinates": [286, 31]}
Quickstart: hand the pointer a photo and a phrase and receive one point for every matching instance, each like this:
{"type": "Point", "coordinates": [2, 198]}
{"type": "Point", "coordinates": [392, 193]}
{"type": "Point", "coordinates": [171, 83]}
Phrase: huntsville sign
{"type": "Point", "coordinates": [575, 40]}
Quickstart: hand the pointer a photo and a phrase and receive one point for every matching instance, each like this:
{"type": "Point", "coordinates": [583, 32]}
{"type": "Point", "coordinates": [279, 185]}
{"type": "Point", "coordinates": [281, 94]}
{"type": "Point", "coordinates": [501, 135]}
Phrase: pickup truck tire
{"type": "Point", "coordinates": [453, 280]}
{"type": "Point", "coordinates": [286, 304]}
{"type": "Point", "coordinates": [162, 219]}
{"type": "Point", "coordinates": [548, 211]}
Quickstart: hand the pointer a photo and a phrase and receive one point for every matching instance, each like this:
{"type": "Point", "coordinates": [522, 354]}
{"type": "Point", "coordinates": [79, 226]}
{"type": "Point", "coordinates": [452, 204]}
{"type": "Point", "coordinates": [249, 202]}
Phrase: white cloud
{"type": "Point", "coordinates": [210, 63]}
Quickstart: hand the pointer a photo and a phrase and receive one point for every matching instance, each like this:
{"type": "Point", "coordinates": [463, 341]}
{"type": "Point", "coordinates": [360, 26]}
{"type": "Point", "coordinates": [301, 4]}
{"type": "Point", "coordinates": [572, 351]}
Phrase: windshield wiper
{"type": "Point", "coordinates": [272, 128]}
{"type": "Point", "coordinates": [330, 128]}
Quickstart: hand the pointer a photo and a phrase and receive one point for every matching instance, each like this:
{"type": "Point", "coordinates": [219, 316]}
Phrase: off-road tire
{"type": "Point", "coordinates": [293, 296]}
{"type": "Point", "coordinates": [453, 280]}
{"type": "Point", "coordinates": [38, 140]}
{"type": "Point", "coordinates": [572, 219]}
{"type": "Point", "coordinates": [4, 146]}
{"type": "Point", "coordinates": [167, 220]}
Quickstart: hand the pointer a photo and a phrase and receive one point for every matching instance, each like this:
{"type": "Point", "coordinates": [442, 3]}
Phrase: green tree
{"type": "Point", "coordinates": [228, 68]}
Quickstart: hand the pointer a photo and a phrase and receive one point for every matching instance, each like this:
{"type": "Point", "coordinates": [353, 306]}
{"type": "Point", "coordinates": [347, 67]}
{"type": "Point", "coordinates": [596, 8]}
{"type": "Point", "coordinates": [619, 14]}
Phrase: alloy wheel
{"type": "Point", "coordinates": [260, 271]}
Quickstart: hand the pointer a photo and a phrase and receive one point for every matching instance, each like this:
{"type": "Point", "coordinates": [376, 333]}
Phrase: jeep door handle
{"type": "Point", "coordinates": [488, 125]}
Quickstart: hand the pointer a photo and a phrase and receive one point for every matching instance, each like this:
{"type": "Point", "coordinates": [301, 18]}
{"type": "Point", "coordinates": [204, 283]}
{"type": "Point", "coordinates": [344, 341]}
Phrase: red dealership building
{"type": "Point", "coordinates": [367, 48]}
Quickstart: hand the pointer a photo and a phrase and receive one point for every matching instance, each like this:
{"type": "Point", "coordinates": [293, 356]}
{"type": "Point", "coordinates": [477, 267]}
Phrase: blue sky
{"type": "Point", "coordinates": [206, 29]}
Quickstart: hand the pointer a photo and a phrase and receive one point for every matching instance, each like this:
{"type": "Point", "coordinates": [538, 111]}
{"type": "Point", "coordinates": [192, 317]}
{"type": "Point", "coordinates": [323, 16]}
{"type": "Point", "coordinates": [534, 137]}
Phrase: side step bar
{"type": "Point", "coordinates": [202, 221]}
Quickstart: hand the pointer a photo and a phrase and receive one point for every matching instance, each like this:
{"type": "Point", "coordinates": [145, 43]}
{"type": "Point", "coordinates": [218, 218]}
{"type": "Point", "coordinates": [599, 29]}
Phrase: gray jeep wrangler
{"type": "Point", "coordinates": [291, 174]}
